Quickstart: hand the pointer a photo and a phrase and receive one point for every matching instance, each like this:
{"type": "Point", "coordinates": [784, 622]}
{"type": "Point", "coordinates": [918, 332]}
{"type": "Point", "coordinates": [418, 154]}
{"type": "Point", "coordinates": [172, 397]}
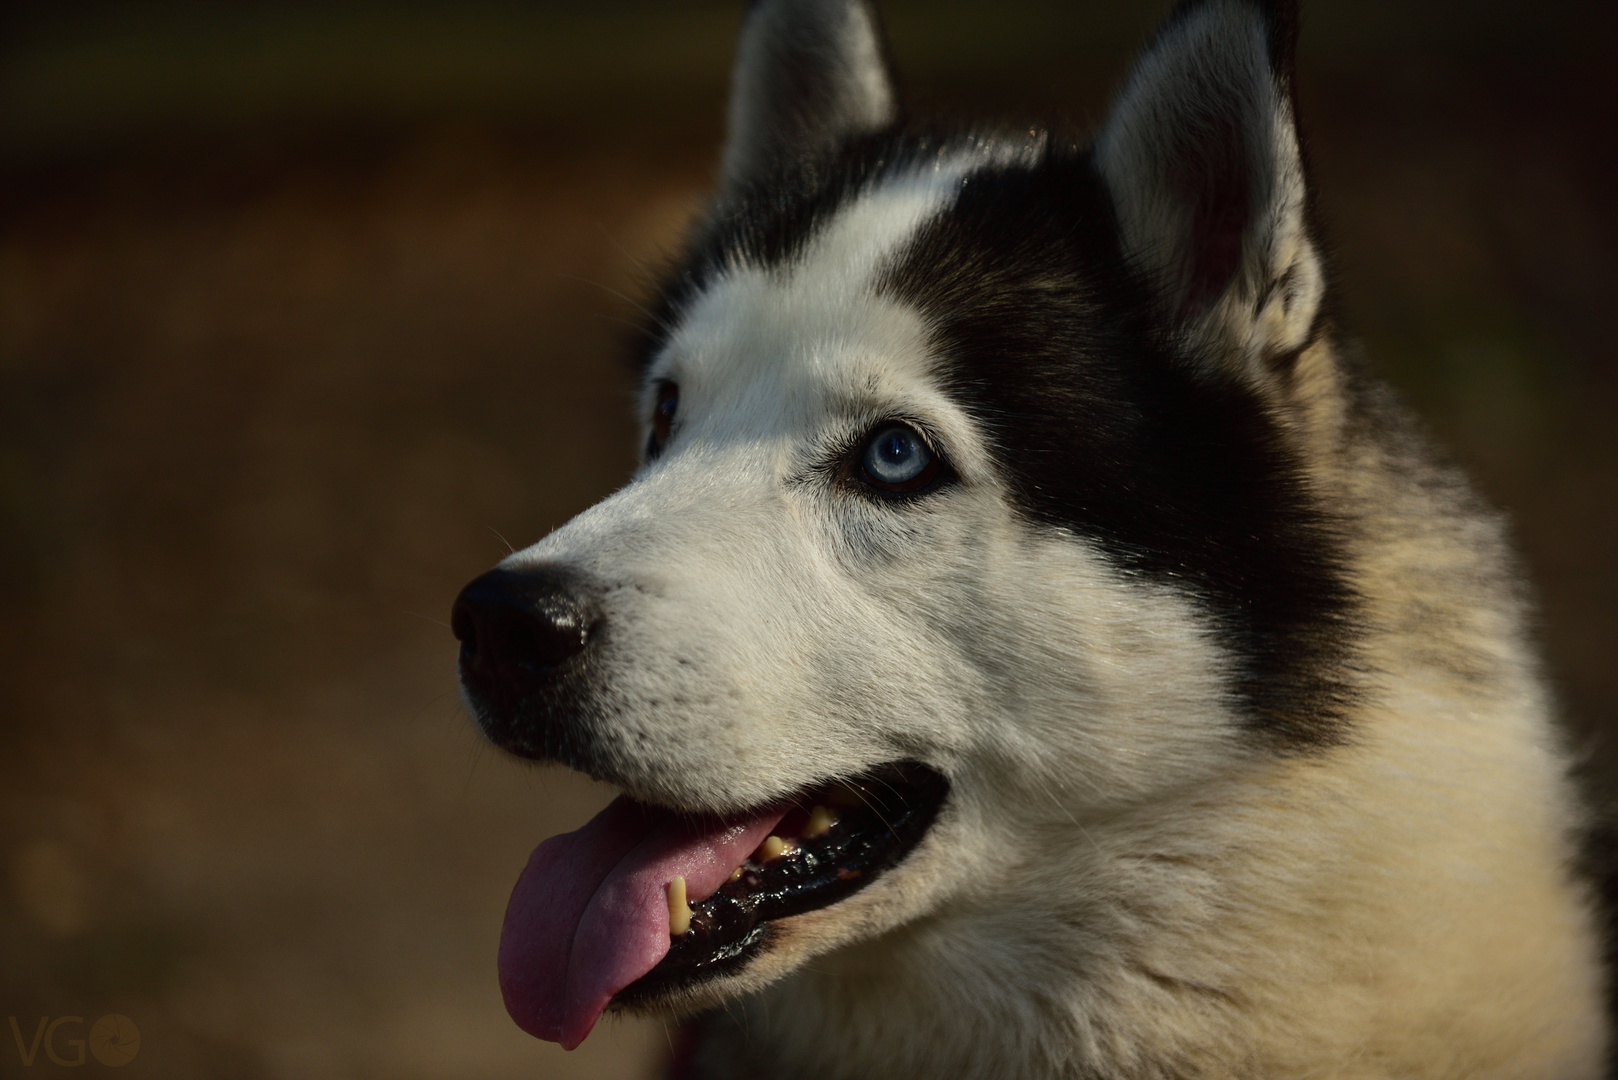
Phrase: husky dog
{"type": "Point", "coordinates": [1032, 645]}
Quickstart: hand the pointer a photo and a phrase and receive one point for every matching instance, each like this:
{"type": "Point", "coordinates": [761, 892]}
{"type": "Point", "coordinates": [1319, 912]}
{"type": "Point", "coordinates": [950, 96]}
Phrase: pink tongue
{"type": "Point", "coordinates": [590, 912]}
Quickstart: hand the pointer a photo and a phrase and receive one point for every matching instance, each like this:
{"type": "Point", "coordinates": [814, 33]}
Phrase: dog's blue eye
{"type": "Point", "coordinates": [896, 459]}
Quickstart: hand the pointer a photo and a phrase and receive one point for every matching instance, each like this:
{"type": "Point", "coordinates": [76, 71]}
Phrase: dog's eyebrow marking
{"type": "Point", "coordinates": [771, 226]}
{"type": "Point", "coordinates": [856, 243]}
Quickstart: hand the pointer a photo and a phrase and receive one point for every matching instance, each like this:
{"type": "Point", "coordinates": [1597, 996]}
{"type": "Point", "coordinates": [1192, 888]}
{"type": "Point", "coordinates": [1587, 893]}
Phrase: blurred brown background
{"type": "Point", "coordinates": [305, 310]}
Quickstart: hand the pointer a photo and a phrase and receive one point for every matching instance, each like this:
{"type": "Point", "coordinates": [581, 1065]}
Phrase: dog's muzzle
{"type": "Point", "coordinates": [525, 636]}
{"type": "Point", "coordinates": [592, 922]}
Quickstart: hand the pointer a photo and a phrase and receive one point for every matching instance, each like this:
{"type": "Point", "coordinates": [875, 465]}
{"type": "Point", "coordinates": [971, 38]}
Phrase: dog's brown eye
{"type": "Point", "coordinates": [668, 403]}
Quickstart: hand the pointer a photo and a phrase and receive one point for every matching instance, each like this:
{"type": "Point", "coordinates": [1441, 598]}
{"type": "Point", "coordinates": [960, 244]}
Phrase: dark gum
{"type": "Point", "coordinates": [731, 927]}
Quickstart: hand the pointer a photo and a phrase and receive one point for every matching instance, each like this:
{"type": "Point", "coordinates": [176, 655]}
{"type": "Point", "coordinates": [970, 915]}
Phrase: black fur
{"type": "Point", "coordinates": [1176, 470]}
{"type": "Point", "coordinates": [799, 84]}
{"type": "Point", "coordinates": [1280, 16]}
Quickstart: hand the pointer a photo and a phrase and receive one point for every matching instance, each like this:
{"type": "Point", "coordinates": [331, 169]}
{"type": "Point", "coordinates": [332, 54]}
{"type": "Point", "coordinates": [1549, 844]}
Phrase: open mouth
{"type": "Point", "coordinates": [832, 843]}
{"type": "Point", "coordinates": [643, 902]}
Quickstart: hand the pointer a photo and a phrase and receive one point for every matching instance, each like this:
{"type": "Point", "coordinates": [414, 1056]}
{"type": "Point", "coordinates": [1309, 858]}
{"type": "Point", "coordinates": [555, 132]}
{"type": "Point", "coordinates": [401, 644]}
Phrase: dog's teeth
{"type": "Point", "coordinates": [679, 910]}
{"type": "Point", "coordinates": [773, 847]}
{"type": "Point", "coordinates": [820, 820]}
{"type": "Point", "coordinates": [735, 875]}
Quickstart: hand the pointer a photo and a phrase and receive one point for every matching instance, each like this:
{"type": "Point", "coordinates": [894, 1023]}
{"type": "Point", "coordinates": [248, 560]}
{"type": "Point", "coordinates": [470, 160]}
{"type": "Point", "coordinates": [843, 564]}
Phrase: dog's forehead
{"type": "Point", "coordinates": [816, 331]}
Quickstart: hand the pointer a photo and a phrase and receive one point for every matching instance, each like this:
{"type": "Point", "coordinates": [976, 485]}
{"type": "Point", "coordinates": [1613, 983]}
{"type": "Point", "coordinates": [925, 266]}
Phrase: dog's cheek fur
{"type": "Point", "coordinates": [738, 663]}
{"type": "Point", "coordinates": [930, 618]}
{"type": "Point", "coordinates": [1090, 692]}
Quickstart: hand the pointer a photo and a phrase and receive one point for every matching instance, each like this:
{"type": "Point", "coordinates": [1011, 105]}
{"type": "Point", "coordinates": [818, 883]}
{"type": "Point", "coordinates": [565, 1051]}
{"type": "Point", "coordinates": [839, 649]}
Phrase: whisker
{"type": "Point", "coordinates": [652, 316]}
{"type": "Point", "coordinates": [428, 618]}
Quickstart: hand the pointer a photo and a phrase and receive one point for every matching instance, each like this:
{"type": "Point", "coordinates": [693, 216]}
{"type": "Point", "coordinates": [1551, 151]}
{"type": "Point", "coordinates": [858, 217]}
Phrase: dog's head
{"type": "Point", "coordinates": [975, 500]}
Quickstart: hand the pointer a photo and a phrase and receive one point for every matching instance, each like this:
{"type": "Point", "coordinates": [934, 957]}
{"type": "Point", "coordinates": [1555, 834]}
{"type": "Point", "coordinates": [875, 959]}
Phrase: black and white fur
{"type": "Point", "coordinates": [1253, 771]}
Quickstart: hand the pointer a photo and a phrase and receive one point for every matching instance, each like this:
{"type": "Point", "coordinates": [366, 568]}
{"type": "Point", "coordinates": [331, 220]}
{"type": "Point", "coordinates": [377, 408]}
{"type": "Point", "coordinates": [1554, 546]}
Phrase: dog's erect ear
{"type": "Point", "coordinates": [809, 74]}
{"type": "Point", "coordinates": [1202, 158]}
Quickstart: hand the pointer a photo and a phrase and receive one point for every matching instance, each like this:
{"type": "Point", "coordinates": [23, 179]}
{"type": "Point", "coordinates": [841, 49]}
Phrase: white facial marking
{"type": "Point", "coordinates": [772, 627]}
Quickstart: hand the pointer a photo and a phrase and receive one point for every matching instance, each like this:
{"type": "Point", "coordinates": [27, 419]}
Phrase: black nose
{"type": "Point", "coordinates": [517, 628]}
